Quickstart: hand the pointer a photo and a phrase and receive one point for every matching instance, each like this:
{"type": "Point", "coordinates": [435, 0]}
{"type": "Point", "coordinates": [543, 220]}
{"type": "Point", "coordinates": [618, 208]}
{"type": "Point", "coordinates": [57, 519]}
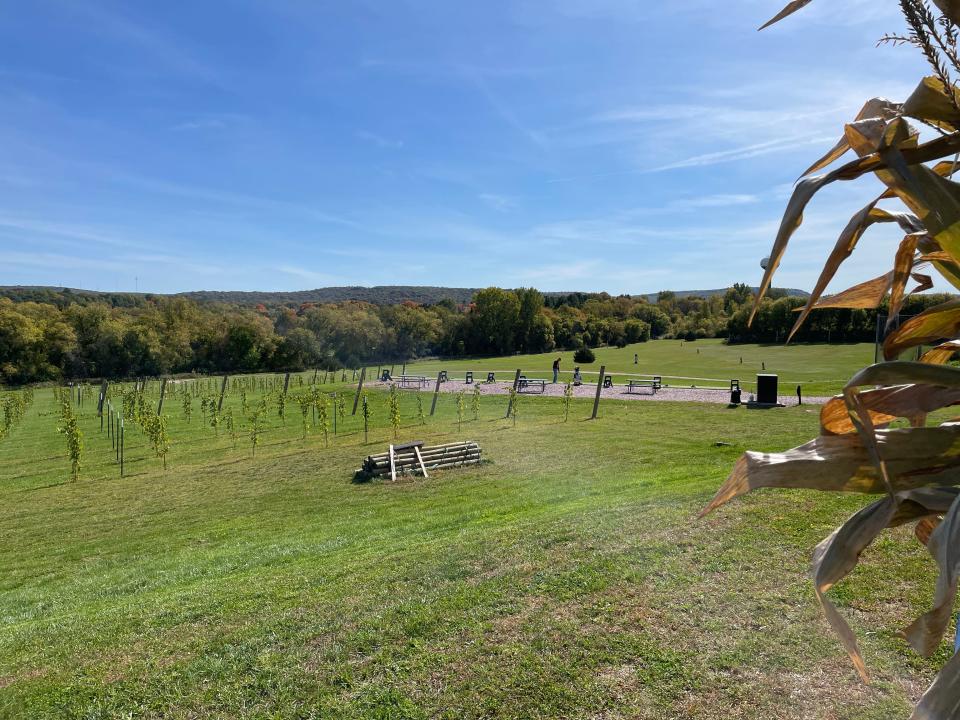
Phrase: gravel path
{"type": "Point", "coordinates": [589, 390]}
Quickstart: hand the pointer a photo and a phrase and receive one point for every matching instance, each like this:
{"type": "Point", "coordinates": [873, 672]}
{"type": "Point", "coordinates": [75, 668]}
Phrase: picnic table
{"type": "Point", "coordinates": [655, 384]}
{"type": "Point", "coordinates": [526, 385]}
{"type": "Point", "coordinates": [413, 381]}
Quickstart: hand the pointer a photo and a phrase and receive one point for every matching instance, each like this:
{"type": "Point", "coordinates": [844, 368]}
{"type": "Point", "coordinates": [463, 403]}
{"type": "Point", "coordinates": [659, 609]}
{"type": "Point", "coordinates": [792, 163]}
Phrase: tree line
{"type": "Point", "coordinates": [157, 335]}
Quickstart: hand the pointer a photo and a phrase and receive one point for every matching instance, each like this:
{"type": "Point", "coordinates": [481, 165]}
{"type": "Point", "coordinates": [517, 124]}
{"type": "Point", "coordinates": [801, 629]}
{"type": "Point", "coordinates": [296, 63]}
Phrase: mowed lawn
{"type": "Point", "coordinates": [566, 576]}
{"type": "Point", "coordinates": [821, 369]}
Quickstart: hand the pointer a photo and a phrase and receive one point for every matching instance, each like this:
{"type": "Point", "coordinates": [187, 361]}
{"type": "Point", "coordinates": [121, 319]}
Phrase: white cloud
{"type": "Point", "coordinates": [714, 201]}
{"type": "Point", "coordinates": [318, 279]}
{"type": "Point", "coordinates": [501, 203]}
{"type": "Point", "coordinates": [379, 140]}
{"type": "Point", "coordinates": [743, 152]}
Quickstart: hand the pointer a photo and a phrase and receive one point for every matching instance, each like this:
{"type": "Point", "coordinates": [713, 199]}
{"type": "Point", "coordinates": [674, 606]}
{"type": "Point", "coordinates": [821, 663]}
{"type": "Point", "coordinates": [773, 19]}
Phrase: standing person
{"type": "Point", "coordinates": [636, 359]}
{"type": "Point", "coordinates": [556, 370]}
{"type": "Point", "coordinates": [799, 395]}
{"type": "Point", "coordinates": [577, 379]}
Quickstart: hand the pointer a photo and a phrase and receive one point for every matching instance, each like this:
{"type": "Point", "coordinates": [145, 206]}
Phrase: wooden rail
{"type": "Point", "coordinates": [419, 458]}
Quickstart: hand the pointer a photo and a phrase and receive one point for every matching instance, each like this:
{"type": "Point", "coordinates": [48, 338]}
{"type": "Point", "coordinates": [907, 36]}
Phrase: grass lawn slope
{"type": "Point", "coordinates": [564, 577]}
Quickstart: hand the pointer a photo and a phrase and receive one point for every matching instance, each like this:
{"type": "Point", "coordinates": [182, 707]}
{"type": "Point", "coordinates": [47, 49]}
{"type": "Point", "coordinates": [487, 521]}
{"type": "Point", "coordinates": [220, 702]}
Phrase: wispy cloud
{"type": "Point", "coordinates": [207, 121]}
{"type": "Point", "coordinates": [744, 152]}
{"type": "Point", "coordinates": [713, 201]}
{"type": "Point", "coordinates": [163, 49]}
{"type": "Point", "coordinates": [318, 279]}
{"type": "Point", "coordinates": [71, 231]}
{"type": "Point", "coordinates": [507, 114]}
{"type": "Point", "coordinates": [212, 195]}
{"type": "Point", "coordinates": [379, 140]}
{"type": "Point", "coordinates": [501, 203]}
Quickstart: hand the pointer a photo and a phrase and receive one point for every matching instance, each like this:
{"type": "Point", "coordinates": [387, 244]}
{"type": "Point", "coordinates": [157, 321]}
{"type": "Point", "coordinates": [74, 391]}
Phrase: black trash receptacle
{"type": "Point", "coordinates": [767, 389]}
{"type": "Point", "coordinates": [735, 397]}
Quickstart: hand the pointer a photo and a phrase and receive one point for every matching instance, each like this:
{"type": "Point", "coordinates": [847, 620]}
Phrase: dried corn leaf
{"type": "Point", "coordinates": [945, 265]}
{"type": "Point", "coordinates": [790, 9]}
{"type": "Point", "coordinates": [924, 282]}
{"type": "Point", "coordinates": [931, 103]}
{"type": "Point", "coordinates": [915, 457]}
{"type": "Point", "coordinates": [902, 373]}
{"type": "Point", "coordinates": [808, 187]}
{"type": "Point", "coordinates": [926, 632]}
{"type": "Point", "coordinates": [866, 295]}
{"type": "Point", "coordinates": [873, 108]}
{"type": "Point", "coordinates": [925, 528]}
{"type": "Point", "coordinates": [950, 8]}
{"type": "Point", "coordinates": [935, 200]}
{"type": "Point", "coordinates": [837, 556]}
{"type": "Point", "coordinates": [902, 265]}
{"type": "Point", "coordinates": [844, 247]}
{"type": "Point", "coordinates": [942, 699]}
{"type": "Point", "coordinates": [938, 323]}
{"type": "Point", "coordinates": [886, 404]}
{"type": "Point", "coordinates": [942, 353]}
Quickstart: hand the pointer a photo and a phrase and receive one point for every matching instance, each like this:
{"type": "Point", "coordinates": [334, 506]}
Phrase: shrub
{"type": "Point", "coordinates": [584, 356]}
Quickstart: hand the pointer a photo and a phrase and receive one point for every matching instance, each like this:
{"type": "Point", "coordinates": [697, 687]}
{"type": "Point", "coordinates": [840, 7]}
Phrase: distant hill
{"type": "Point", "coordinates": [789, 292]}
{"type": "Point", "coordinates": [377, 295]}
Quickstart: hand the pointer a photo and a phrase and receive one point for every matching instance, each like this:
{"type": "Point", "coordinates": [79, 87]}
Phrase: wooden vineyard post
{"type": "Point", "coordinates": [316, 372]}
{"type": "Point", "coordinates": [334, 414]}
{"type": "Point", "coordinates": [121, 447]}
{"type": "Point", "coordinates": [356, 398]}
{"type": "Point", "coordinates": [596, 400]}
{"type": "Point", "coordinates": [223, 389]}
{"type": "Point", "coordinates": [103, 398]}
{"type": "Point", "coordinates": [163, 391]}
{"type": "Point", "coordinates": [286, 383]}
{"type": "Point", "coordinates": [436, 394]}
{"type": "Point", "coordinates": [366, 419]}
{"type": "Point", "coordinates": [404, 370]}
{"type": "Point", "coordinates": [516, 383]}
{"type": "Point", "coordinates": [117, 422]}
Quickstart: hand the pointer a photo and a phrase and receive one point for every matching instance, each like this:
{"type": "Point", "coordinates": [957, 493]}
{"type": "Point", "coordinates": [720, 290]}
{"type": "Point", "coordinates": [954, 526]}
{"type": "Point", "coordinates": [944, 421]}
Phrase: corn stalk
{"type": "Point", "coordinates": [914, 470]}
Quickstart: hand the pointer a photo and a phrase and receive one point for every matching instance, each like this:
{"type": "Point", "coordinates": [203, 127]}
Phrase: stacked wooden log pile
{"type": "Point", "coordinates": [419, 458]}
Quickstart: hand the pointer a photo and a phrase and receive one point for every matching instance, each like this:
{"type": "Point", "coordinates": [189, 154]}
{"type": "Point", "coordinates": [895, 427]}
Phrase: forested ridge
{"type": "Point", "coordinates": [49, 334]}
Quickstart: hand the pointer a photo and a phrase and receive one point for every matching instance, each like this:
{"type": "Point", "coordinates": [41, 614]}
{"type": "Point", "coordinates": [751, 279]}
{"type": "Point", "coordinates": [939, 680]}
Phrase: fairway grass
{"type": "Point", "coordinates": [566, 576]}
{"type": "Point", "coordinates": [820, 368]}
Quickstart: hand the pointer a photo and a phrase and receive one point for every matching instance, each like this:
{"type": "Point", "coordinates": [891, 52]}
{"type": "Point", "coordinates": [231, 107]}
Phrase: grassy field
{"type": "Point", "coordinates": [565, 577]}
{"type": "Point", "coordinates": [821, 369]}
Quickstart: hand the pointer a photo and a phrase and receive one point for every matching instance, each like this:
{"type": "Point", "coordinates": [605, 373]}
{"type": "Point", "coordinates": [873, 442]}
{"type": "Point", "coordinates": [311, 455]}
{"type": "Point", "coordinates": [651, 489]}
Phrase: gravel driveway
{"type": "Point", "coordinates": [588, 390]}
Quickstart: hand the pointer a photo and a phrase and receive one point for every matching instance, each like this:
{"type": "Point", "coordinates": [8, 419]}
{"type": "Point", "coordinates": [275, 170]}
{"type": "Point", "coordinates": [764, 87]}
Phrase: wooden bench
{"type": "Point", "coordinates": [654, 385]}
{"type": "Point", "coordinates": [534, 386]}
{"type": "Point", "coordinates": [413, 381]}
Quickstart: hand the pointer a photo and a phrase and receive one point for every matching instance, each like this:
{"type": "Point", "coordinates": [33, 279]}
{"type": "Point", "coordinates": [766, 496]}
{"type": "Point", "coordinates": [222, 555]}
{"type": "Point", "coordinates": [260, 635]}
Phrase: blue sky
{"type": "Point", "coordinates": [626, 146]}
